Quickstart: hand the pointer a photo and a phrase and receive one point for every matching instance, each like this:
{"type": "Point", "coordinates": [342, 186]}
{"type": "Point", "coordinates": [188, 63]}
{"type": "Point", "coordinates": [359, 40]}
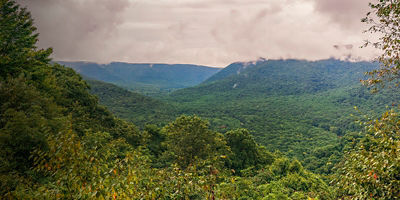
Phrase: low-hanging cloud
{"type": "Point", "coordinates": [207, 32]}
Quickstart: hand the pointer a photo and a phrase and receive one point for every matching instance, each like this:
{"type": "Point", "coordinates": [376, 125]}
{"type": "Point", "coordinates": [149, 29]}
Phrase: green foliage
{"type": "Point", "coordinates": [39, 101]}
{"type": "Point", "coordinates": [26, 117]}
{"type": "Point", "coordinates": [190, 139]}
{"type": "Point", "coordinates": [372, 168]}
{"type": "Point", "coordinates": [246, 152]}
{"type": "Point", "coordinates": [96, 166]}
{"type": "Point", "coordinates": [137, 108]}
{"type": "Point", "coordinates": [70, 91]}
{"type": "Point", "coordinates": [156, 140]}
{"type": "Point", "coordinates": [283, 179]}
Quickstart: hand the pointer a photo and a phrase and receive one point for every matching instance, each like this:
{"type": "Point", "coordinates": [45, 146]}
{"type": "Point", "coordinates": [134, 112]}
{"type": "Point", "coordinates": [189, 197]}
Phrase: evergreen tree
{"type": "Point", "coordinates": [18, 38]}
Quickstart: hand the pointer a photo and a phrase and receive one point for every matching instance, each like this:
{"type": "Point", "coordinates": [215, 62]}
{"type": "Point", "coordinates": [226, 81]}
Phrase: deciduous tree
{"type": "Point", "coordinates": [384, 20]}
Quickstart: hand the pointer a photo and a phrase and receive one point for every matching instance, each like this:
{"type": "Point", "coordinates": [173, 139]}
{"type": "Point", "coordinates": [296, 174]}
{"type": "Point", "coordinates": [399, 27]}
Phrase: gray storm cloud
{"type": "Point", "coordinates": [76, 28]}
{"type": "Point", "coordinates": [210, 32]}
{"type": "Point", "coordinates": [347, 13]}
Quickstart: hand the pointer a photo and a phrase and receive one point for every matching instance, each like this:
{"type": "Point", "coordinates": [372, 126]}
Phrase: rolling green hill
{"type": "Point", "coordinates": [283, 77]}
{"type": "Point", "coordinates": [148, 78]}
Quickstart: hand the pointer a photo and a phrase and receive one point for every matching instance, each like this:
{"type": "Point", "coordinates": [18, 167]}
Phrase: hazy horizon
{"type": "Point", "coordinates": [210, 66]}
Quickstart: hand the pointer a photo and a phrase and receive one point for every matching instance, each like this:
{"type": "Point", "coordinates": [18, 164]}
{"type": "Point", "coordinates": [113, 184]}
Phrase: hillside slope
{"type": "Point", "coordinates": [284, 77]}
{"type": "Point", "coordinates": [137, 108]}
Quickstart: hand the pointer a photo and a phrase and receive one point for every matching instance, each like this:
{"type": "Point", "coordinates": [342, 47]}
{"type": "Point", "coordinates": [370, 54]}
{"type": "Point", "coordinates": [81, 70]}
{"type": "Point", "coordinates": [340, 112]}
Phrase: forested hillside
{"type": "Point", "coordinates": [299, 107]}
{"type": "Point", "coordinates": [150, 79]}
{"type": "Point", "coordinates": [133, 106]}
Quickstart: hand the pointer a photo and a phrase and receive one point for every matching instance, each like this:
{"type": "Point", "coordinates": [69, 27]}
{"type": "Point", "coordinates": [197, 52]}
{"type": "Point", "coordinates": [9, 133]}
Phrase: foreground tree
{"type": "Point", "coordinates": [384, 19]}
{"type": "Point", "coordinates": [189, 139]}
{"type": "Point", "coordinates": [39, 100]}
{"type": "Point", "coordinates": [246, 152]}
{"type": "Point", "coordinates": [372, 168]}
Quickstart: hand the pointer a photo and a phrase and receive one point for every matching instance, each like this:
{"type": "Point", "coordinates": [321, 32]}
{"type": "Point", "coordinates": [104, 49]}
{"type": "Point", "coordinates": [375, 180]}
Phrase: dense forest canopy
{"type": "Point", "coordinates": [58, 142]}
{"type": "Point", "coordinates": [306, 114]}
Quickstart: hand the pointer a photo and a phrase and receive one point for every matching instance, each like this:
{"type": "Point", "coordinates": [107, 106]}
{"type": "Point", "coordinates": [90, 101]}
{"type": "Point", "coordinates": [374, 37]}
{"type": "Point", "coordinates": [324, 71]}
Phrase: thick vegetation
{"type": "Point", "coordinates": [370, 169]}
{"type": "Point", "coordinates": [299, 107]}
{"type": "Point", "coordinates": [306, 119]}
{"type": "Point", "coordinates": [136, 107]}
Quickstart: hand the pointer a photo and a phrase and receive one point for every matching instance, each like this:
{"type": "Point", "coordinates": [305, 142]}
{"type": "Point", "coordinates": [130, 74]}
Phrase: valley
{"type": "Point", "coordinates": [301, 108]}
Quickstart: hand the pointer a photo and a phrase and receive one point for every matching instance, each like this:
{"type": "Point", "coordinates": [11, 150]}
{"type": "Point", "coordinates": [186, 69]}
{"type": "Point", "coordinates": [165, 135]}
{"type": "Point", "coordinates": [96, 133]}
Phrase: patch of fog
{"type": "Point", "coordinates": [246, 64]}
{"type": "Point", "coordinates": [253, 62]}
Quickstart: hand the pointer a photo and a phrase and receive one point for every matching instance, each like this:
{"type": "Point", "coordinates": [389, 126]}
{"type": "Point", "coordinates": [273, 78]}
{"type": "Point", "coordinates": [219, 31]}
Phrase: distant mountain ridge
{"type": "Point", "coordinates": [283, 77]}
{"type": "Point", "coordinates": [296, 69]}
{"type": "Point", "coordinates": [145, 77]}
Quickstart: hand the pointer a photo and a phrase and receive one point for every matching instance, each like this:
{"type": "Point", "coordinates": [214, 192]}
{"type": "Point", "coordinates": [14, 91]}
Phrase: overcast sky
{"type": "Point", "coordinates": [207, 32]}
